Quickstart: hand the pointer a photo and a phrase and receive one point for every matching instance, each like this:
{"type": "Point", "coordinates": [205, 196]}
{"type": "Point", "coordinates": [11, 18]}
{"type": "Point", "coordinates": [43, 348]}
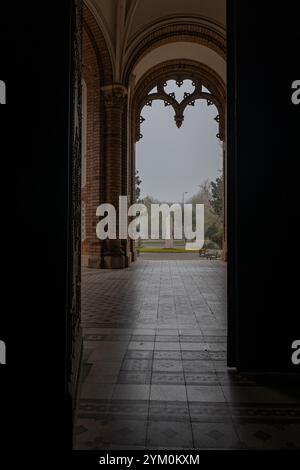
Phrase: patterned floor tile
{"type": "Point", "coordinates": [128, 409]}
{"type": "Point", "coordinates": [155, 372]}
{"type": "Point", "coordinates": [164, 365]}
{"type": "Point", "coordinates": [169, 411]}
{"type": "Point", "coordinates": [269, 436]}
{"type": "Point", "coordinates": [215, 436]}
{"type": "Point", "coordinates": [128, 432]}
{"type": "Point", "coordinates": [168, 434]}
{"type": "Point", "coordinates": [193, 346]}
{"type": "Point", "coordinates": [209, 412]}
{"type": "Point", "coordinates": [256, 394]}
{"type": "Point", "coordinates": [265, 413]}
{"type": "Point", "coordinates": [139, 354]}
{"type": "Point", "coordinates": [198, 366]}
{"type": "Point", "coordinates": [173, 355]}
{"type": "Point", "coordinates": [136, 364]}
{"type": "Point", "coordinates": [132, 377]}
{"type": "Point", "coordinates": [168, 392]}
{"type": "Point", "coordinates": [168, 378]}
{"type": "Point", "coordinates": [206, 393]}
{"type": "Point", "coordinates": [95, 390]}
{"type": "Point", "coordinates": [131, 392]}
{"type": "Point", "coordinates": [167, 346]}
{"type": "Point", "coordinates": [195, 355]}
{"type": "Point", "coordinates": [201, 379]}
{"type": "Point", "coordinates": [141, 345]}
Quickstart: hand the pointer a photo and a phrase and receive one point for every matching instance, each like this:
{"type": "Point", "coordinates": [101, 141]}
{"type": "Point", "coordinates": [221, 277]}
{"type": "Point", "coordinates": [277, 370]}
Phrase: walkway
{"type": "Point", "coordinates": [155, 371]}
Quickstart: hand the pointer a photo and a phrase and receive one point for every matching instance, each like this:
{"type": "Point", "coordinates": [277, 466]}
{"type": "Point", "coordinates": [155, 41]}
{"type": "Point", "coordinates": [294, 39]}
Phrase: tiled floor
{"type": "Point", "coordinates": [155, 371]}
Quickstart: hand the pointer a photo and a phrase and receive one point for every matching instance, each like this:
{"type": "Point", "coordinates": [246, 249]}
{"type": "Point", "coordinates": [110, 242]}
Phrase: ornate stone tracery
{"type": "Point", "coordinates": [207, 86]}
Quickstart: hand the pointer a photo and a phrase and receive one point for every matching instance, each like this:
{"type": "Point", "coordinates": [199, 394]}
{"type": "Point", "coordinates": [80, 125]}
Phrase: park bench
{"type": "Point", "coordinates": [202, 252]}
{"type": "Point", "coordinates": [211, 254]}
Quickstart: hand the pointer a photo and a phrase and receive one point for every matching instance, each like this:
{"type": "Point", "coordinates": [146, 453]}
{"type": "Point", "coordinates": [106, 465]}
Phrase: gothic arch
{"type": "Point", "coordinates": [183, 32]}
{"type": "Point", "coordinates": [180, 70]}
{"type": "Point", "coordinates": [98, 42]}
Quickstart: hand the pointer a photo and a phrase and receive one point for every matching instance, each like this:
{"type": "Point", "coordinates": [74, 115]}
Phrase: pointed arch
{"type": "Point", "coordinates": [180, 70]}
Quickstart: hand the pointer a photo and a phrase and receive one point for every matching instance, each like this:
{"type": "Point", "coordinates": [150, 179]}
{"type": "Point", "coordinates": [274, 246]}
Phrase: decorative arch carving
{"type": "Point", "coordinates": [180, 70]}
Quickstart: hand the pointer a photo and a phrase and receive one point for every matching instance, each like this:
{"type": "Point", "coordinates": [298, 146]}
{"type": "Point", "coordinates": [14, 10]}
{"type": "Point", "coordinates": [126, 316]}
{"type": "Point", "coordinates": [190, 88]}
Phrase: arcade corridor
{"type": "Point", "coordinates": [155, 371]}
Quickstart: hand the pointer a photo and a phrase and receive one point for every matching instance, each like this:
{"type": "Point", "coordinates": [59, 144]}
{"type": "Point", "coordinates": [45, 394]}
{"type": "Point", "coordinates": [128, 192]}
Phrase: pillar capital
{"type": "Point", "coordinates": [115, 96]}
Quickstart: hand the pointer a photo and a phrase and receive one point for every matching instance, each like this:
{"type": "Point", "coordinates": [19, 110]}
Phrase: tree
{"type": "Point", "coordinates": [211, 195]}
{"type": "Point", "coordinates": [217, 196]}
{"type": "Point", "coordinates": [138, 183]}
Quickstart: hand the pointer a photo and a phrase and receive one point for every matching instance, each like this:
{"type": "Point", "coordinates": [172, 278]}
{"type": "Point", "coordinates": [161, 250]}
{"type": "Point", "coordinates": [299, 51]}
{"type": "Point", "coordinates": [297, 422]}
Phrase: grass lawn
{"type": "Point", "coordinates": [165, 250]}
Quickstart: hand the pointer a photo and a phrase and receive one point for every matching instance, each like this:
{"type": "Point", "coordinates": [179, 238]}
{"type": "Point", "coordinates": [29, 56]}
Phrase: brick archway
{"type": "Point", "coordinates": [98, 43]}
{"type": "Point", "coordinates": [187, 32]}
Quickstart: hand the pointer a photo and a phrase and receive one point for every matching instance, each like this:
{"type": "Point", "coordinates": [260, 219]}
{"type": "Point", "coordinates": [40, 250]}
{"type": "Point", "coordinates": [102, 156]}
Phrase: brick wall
{"type": "Point", "coordinates": [97, 72]}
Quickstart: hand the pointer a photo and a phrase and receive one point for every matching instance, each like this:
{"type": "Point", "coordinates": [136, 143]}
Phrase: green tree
{"type": "Point", "coordinates": [217, 196]}
{"type": "Point", "coordinates": [213, 218]}
{"type": "Point", "coordinates": [138, 183]}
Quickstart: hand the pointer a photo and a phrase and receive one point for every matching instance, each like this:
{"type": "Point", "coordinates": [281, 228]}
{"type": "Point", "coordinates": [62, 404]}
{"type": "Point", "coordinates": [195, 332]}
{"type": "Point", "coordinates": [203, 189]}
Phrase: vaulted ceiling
{"type": "Point", "coordinates": [125, 23]}
{"type": "Point", "coordinates": [149, 11]}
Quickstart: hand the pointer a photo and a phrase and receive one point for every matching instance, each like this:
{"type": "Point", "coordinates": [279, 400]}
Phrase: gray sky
{"type": "Point", "coordinates": [172, 160]}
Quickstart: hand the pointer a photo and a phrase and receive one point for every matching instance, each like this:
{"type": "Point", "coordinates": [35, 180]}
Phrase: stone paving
{"type": "Point", "coordinates": [155, 372]}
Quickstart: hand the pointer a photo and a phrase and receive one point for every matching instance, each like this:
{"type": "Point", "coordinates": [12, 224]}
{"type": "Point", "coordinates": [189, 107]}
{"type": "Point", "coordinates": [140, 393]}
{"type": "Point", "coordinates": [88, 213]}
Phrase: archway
{"type": "Point", "coordinates": [207, 85]}
{"type": "Point", "coordinates": [139, 321]}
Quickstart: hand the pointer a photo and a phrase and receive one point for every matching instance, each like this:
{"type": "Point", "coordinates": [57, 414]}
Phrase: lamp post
{"type": "Point", "coordinates": [183, 194]}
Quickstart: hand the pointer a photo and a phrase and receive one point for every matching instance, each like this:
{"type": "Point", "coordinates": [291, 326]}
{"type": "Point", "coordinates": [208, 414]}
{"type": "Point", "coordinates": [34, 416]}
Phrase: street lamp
{"type": "Point", "coordinates": [183, 194]}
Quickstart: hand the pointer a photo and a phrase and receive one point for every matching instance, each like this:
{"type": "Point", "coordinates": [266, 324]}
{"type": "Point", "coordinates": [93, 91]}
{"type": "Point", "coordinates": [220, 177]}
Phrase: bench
{"type": "Point", "coordinates": [212, 254]}
{"type": "Point", "coordinates": [202, 252]}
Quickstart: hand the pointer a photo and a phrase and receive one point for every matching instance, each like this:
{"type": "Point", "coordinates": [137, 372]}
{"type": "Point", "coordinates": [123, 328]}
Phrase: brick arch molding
{"type": "Point", "coordinates": [99, 45]}
{"type": "Point", "coordinates": [187, 32]}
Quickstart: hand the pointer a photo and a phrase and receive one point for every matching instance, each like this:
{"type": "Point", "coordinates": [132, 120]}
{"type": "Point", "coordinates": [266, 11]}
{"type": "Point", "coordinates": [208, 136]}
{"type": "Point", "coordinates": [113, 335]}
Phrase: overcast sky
{"type": "Point", "coordinates": [171, 160]}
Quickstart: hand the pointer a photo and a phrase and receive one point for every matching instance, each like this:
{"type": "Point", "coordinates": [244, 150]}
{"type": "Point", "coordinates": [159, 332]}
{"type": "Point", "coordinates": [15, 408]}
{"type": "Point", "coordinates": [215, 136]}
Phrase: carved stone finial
{"type": "Point", "coordinates": [179, 118]}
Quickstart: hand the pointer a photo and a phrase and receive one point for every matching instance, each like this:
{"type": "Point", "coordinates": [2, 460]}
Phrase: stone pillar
{"type": "Point", "coordinates": [115, 97]}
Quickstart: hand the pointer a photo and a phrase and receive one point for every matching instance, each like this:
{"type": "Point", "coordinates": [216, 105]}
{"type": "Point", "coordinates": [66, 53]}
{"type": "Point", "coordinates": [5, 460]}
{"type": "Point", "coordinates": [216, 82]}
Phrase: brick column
{"type": "Point", "coordinates": [115, 96]}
